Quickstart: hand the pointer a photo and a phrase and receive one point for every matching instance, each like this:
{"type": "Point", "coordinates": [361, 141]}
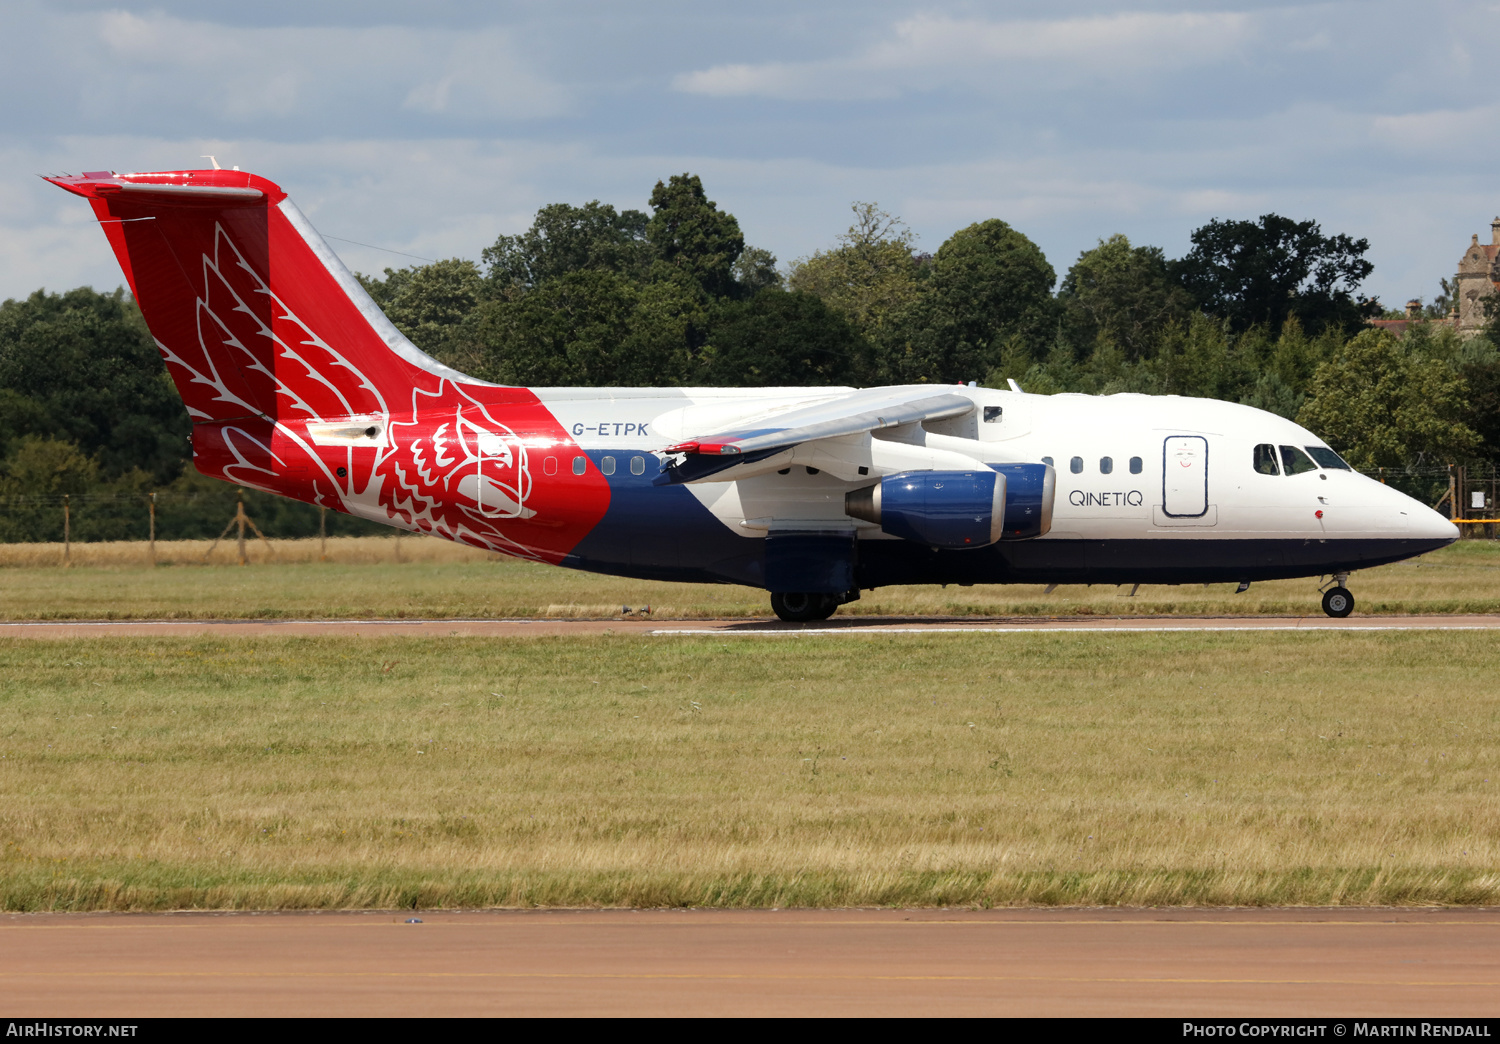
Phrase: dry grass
{"type": "Point", "coordinates": [955, 769]}
{"type": "Point", "coordinates": [136, 554]}
{"type": "Point", "coordinates": [438, 579]}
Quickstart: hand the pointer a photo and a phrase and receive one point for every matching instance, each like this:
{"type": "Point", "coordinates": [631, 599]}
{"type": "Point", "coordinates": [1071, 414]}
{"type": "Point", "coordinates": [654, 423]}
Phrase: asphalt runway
{"type": "Point", "coordinates": [851, 626]}
{"type": "Point", "coordinates": [1182, 963]}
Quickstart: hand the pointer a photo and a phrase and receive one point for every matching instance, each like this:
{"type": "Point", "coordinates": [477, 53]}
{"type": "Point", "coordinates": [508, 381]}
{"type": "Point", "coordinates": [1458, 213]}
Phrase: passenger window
{"type": "Point", "coordinates": [549, 466]}
{"type": "Point", "coordinates": [1049, 462]}
{"type": "Point", "coordinates": [607, 465]}
{"type": "Point", "coordinates": [1295, 462]}
{"type": "Point", "coordinates": [580, 464]}
{"type": "Point", "coordinates": [1135, 465]}
{"type": "Point", "coordinates": [1265, 460]}
{"type": "Point", "coordinates": [1106, 465]}
{"type": "Point", "coordinates": [637, 465]}
{"type": "Point", "coordinates": [992, 414]}
{"type": "Point", "coordinates": [1329, 459]}
{"type": "Point", "coordinates": [1076, 465]}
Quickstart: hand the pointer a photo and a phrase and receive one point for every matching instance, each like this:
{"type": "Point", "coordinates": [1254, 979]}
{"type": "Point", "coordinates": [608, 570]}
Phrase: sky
{"type": "Point", "coordinates": [410, 132]}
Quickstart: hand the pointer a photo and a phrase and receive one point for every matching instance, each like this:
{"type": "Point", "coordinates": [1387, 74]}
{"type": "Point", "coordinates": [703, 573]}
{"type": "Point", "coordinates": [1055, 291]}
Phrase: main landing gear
{"type": "Point", "coordinates": [1338, 601]}
{"type": "Point", "coordinates": [801, 607]}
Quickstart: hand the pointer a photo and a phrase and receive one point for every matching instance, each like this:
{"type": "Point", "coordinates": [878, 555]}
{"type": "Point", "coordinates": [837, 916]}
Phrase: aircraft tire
{"type": "Point", "coordinates": [800, 607]}
{"type": "Point", "coordinates": [1338, 602]}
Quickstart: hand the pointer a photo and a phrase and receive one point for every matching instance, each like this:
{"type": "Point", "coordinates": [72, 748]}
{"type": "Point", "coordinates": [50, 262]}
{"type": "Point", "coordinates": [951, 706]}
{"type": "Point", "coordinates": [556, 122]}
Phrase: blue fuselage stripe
{"type": "Point", "coordinates": [663, 532]}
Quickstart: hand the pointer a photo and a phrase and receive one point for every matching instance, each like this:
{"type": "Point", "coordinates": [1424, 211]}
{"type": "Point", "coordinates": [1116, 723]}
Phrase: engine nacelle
{"type": "Point", "coordinates": [1029, 489]}
{"type": "Point", "coordinates": [948, 509]}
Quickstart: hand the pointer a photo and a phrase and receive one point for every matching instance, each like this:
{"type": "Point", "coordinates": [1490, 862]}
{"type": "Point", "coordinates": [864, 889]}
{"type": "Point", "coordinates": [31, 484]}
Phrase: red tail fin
{"type": "Point", "coordinates": [253, 312]}
{"type": "Point", "coordinates": [298, 384]}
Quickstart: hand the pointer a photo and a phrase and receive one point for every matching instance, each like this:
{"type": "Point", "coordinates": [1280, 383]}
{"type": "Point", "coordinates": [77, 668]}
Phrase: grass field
{"type": "Point", "coordinates": [435, 579]}
{"type": "Point", "coordinates": [1190, 768]}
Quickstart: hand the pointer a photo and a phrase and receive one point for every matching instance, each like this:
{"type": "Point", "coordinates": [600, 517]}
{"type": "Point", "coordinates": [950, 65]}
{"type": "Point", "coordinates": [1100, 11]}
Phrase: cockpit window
{"type": "Point", "coordinates": [1329, 459]}
{"type": "Point", "coordinates": [1295, 462]}
{"type": "Point", "coordinates": [1265, 460]}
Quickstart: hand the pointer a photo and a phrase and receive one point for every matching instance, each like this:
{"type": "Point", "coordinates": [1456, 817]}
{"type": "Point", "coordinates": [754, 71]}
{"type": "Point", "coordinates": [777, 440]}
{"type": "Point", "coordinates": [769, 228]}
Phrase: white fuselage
{"type": "Point", "coordinates": [1111, 454]}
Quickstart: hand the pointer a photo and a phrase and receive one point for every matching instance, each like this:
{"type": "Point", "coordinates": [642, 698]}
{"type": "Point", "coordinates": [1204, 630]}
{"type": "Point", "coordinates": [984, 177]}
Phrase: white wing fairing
{"type": "Point", "coordinates": [298, 385]}
{"type": "Point", "coordinates": [857, 413]}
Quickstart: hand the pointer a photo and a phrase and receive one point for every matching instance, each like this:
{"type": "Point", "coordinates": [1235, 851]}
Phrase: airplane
{"type": "Point", "coordinates": [297, 384]}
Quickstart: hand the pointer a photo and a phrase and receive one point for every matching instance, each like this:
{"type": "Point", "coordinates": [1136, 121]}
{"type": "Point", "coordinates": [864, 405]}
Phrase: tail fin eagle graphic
{"type": "Point", "coordinates": [299, 385]}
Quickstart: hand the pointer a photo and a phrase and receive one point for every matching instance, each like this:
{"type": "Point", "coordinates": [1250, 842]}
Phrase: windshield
{"type": "Point", "coordinates": [1295, 462]}
{"type": "Point", "coordinates": [1329, 459]}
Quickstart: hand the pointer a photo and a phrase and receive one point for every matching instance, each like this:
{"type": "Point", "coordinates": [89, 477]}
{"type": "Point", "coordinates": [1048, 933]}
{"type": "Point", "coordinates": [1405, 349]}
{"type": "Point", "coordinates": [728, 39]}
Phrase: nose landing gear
{"type": "Point", "coordinates": [1338, 601]}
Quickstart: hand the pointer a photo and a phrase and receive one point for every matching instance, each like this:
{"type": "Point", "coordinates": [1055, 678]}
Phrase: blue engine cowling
{"type": "Point", "coordinates": [947, 509]}
{"type": "Point", "coordinates": [1029, 489]}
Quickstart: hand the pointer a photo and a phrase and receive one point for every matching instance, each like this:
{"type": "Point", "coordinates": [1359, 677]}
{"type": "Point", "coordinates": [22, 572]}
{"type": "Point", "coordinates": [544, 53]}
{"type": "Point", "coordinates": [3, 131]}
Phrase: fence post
{"type": "Point", "coordinates": [1460, 492]}
{"type": "Point", "coordinates": [67, 535]}
{"type": "Point", "coordinates": [239, 520]}
{"type": "Point", "coordinates": [152, 545]}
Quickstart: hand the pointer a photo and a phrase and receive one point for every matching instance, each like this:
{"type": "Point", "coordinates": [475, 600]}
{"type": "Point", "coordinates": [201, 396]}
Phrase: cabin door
{"type": "Point", "coordinates": [1185, 476]}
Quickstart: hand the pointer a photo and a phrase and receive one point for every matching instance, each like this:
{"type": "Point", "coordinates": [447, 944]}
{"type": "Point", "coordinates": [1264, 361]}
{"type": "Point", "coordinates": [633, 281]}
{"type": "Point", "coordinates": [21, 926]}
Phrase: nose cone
{"type": "Point", "coordinates": [1426, 524]}
{"type": "Point", "coordinates": [1421, 522]}
{"type": "Point", "coordinates": [1424, 529]}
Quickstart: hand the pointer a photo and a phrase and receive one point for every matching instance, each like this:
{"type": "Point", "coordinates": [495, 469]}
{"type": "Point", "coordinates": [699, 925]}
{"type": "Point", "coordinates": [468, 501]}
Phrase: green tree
{"type": "Point", "coordinates": [592, 296]}
{"type": "Point", "coordinates": [565, 238]}
{"type": "Point", "coordinates": [1443, 301]}
{"type": "Point", "coordinates": [34, 475]}
{"type": "Point", "coordinates": [1199, 358]}
{"type": "Point", "coordinates": [1123, 295]}
{"type": "Point", "coordinates": [428, 302]}
{"type": "Point", "coordinates": [81, 367]}
{"type": "Point", "coordinates": [755, 270]}
{"type": "Point", "coordinates": [589, 328]}
{"type": "Point", "coordinates": [781, 338]}
{"type": "Point", "coordinates": [36, 466]}
{"type": "Point", "coordinates": [692, 237]}
{"type": "Point", "coordinates": [1381, 406]}
{"type": "Point", "coordinates": [989, 296]}
{"type": "Point", "coordinates": [1257, 273]}
{"type": "Point", "coordinates": [872, 274]}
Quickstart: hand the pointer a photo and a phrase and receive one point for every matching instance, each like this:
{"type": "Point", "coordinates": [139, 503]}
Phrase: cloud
{"type": "Point", "coordinates": [250, 73]}
{"type": "Point", "coordinates": [153, 70]}
{"type": "Point", "coordinates": [432, 198]}
{"type": "Point", "coordinates": [1446, 129]}
{"type": "Point", "coordinates": [932, 50]}
{"type": "Point", "coordinates": [1072, 121]}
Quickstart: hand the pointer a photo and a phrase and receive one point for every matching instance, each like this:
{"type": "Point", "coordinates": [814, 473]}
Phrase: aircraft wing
{"type": "Point", "coordinates": [868, 410]}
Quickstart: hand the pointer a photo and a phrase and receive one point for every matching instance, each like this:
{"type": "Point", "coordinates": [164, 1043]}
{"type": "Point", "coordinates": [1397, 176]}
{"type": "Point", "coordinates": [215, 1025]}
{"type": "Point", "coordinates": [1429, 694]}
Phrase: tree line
{"type": "Point", "coordinates": [1268, 312]}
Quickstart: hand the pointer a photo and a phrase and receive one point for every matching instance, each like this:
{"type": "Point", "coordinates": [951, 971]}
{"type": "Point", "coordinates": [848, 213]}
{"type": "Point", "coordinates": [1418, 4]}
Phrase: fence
{"type": "Point", "coordinates": [39, 520]}
{"type": "Point", "coordinates": [173, 514]}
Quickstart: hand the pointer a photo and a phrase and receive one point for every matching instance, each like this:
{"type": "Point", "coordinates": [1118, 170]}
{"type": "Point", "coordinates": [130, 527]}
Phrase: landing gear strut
{"type": "Point", "coordinates": [800, 607]}
{"type": "Point", "coordinates": [1338, 602]}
